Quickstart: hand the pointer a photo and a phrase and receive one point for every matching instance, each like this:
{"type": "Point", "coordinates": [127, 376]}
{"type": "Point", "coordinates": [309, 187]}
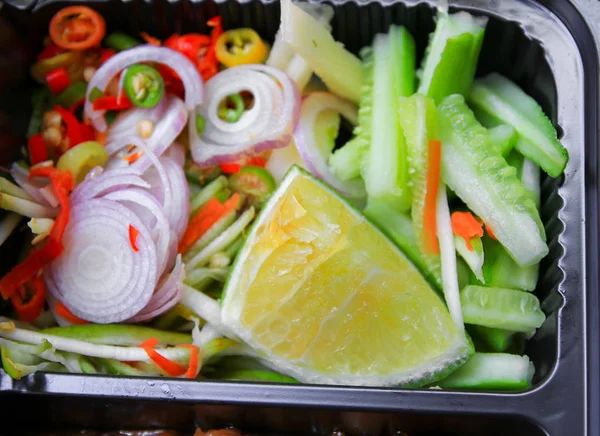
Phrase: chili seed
{"type": "Point", "coordinates": [145, 128]}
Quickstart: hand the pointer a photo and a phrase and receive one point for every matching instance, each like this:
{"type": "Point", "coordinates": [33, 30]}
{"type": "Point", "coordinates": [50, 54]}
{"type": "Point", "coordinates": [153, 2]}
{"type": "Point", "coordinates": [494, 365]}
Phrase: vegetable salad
{"type": "Point", "coordinates": [152, 167]}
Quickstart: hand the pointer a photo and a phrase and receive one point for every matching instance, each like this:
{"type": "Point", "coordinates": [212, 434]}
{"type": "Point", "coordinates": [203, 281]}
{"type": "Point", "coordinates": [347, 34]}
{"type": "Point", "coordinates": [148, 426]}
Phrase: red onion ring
{"type": "Point", "coordinates": [315, 158]}
{"type": "Point", "coordinates": [126, 122]}
{"type": "Point", "coordinates": [21, 178]}
{"type": "Point", "coordinates": [48, 193]}
{"type": "Point", "coordinates": [99, 277]}
{"type": "Point", "coordinates": [52, 302]}
{"type": "Point", "coordinates": [180, 190]}
{"type": "Point", "coordinates": [158, 225]}
{"type": "Point", "coordinates": [166, 131]}
{"type": "Point", "coordinates": [177, 153]}
{"type": "Point", "coordinates": [108, 181]}
{"type": "Point", "coordinates": [185, 69]}
{"type": "Point", "coordinates": [168, 295]}
{"type": "Point", "coordinates": [154, 176]}
{"type": "Point", "coordinates": [267, 125]}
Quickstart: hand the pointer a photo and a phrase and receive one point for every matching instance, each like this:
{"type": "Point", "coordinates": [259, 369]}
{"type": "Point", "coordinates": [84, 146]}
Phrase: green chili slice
{"type": "Point", "coordinates": [143, 85]}
{"type": "Point", "coordinates": [120, 41]}
{"type": "Point", "coordinates": [231, 108]}
{"type": "Point", "coordinates": [94, 94]}
{"type": "Point", "coordinates": [200, 124]}
{"type": "Point", "coordinates": [71, 95]}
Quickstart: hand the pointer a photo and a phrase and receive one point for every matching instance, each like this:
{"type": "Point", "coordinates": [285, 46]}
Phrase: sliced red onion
{"type": "Point", "coordinates": [52, 302]}
{"type": "Point", "coordinates": [108, 181]}
{"type": "Point", "coordinates": [169, 293]}
{"type": "Point", "coordinates": [166, 131]}
{"type": "Point", "coordinates": [180, 207]}
{"type": "Point", "coordinates": [156, 221]}
{"type": "Point", "coordinates": [99, 277]}
{"type": "Point", "coordinates": [177, 153]}
{"type": "Point", "coordinates": [48, 193]}
{"type": "Point", "coordinates": [126, 122]}
{"type": "Point", "coordinates": [267, 125]}
{"type": "Point", "coordinates": [312, 155]}
{"type": "Point", "coordinates": [21, 177]}
{"type": "Point", "coordinates": [185, 69]}
{"type": "Point", "coordinates": [156, 177]}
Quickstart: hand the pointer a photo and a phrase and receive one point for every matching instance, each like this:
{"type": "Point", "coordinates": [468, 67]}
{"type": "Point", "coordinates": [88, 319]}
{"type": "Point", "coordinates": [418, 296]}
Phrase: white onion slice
{"type": "Point", "coordinates": [266, 125]}
{"type": "Point", "coordinates": [99, 277]}
{"type": "Point", "coordinates": [126, 122]}
{"type": "Point", "coordinates": [177, 153]}
{"type": "Point", "coordinates": [156, 221]}
{"type": "Point", "coordinates": [156, 177]}
{"type": "Point", "coordinates": [52, 302]}
{"type": "Point", "coordinates": [185, 69]}
{"type": "Point", "coordinates": [168, 295]}
{"type": "Point", "coordinates": [166, 131]}
{"type": "Point", "coordinates": [179, 212]}
{"type": "Point", "coordinates": [21, 177]}
{"type": "Point", "coordinates": [108, 181]}
{"type": "Point", "coordinates": [48, 193]}
{"type": "Point", "coordinates": [314, 157]}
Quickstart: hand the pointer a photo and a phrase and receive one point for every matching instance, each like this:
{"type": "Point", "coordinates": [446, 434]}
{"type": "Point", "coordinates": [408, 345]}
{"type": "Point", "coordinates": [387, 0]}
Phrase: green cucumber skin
{"type": "Point", "coordinates": [498, 340]}
{"type": "Point", "coordinates": [460, 47]}
{"type": "Point", "coordinates": [497, 100]}
{"type": "Point", "coordinates": [492, 371]}
{"type": "Point", "coordinates": [455, 70]}
{"type": "Point", "coordinates": [482, 178]}
{"type": "Point", "coordinates": [501, 308]}
{"type": "Point", "coordinates": [390, 66]}
{"type": "Point", "coordinates": [118, 334]}
{"type": "Point", "coordinates": [501, 271]}
{"type": "Point", "coordinates": [504, 137]}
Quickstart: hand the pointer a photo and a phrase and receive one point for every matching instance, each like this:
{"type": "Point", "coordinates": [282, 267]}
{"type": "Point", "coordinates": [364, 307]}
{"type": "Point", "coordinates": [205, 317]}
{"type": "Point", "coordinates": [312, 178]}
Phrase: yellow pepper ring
{"type": "Point", "coordinates": [240, 47]}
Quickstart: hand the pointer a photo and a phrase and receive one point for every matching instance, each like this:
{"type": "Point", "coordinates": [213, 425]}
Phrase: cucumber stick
{"type": "Point", "coordinates": [496, 371]}
{"type": "Point", "coordinates": [418, 119]}
{"type": "Point", "coordinates": [472, 254]}
{"type": "Point", "coordinates": [529, 174]}
{"type": "Point", "coordinates": [504, 137]}
{"type": "Point", "coordinates": [451, 56]}
{"type": "Point", "coordinates": [500, 270]}
{"type": "Point", "coordinates": [345, 162]}
{"type": "Point", "coordinates": [497, 340]}
{"type": "Point", "coordinates": [341, 71]}
{"type": "Point", "coordinates": [117, 334]}
{"type": "Point", "coordinates": [501, 308]}
{"type": "Point", "coordinates": [391, 66]}
{"type": "Point", "coordinates": [499, 99]}
{"type": "Point", "coordinates": [482, 178]}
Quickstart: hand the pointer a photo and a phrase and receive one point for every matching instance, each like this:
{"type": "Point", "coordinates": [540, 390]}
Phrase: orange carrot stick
{"type": "Point", "coordinates": [205, 218]}
{"type": "Point", "coordinates": [466, 226]}
{"type": "Point", "coordinates": [433, 181]}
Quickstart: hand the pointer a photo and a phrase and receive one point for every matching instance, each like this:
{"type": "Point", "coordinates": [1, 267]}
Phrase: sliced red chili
{"type": "Point", "coordinates": [133, 234]}
{"type": "Point", "coordinates": [173, 369]}
{"type": "Point", "coordinates": [50, 51]}
{"type": "Point", "coordinates": [37, 149]}
{"type": "Point", "coordinates": [106, 54]}
{"type": "Point", "coordinates": [108, 103]}
{"type": "Point", "coordinates": [58, 80]}
{"type": "Point", "coordinates": [64, 312]}
{"type": "Point", "coordinates": [31, 309]}
{"type": "Point", "coordinates": [73, 126]}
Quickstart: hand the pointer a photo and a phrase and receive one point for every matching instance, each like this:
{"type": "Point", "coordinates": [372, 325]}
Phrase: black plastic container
{"type": "Point", "coordinates": [545, 47]}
